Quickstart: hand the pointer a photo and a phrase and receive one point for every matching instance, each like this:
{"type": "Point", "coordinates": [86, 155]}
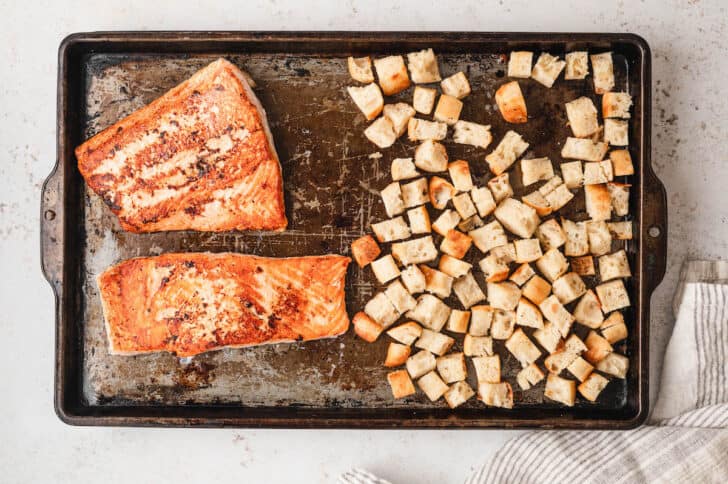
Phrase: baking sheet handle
{"type": "Point", "coordinates": [51, 228]}
{"type": "Point", "coordinates": [654, 229]}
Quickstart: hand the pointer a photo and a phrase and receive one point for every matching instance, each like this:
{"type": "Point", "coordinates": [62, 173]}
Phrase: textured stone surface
{"type": "Point", "coordinates": [690, 151]}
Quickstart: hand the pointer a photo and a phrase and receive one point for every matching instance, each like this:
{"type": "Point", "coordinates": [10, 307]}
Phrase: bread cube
{"type": "Point", "coordinates": [504, 323]}
{"type": "Point", "coordinates": [403, 169]}
{"type": "Point", "coordinates": [522, 348]}
{"type": "Point", "coordinates": [381, 133]}
{"type": "Point", "coordinates": [519, 64]}
{"type": "Point", "coordinates": [458, 393]}
{"type": "Point", "coordinates": [552, 184]}
{"type": "Point", "coordinates": [385, 269]}
{"type": "Point", "coordinates": [436, 282]}
{"type": "Point", "coordinates": [547, 69]}
{"type": "Point", "coordinates": [392, 74]}
{"type": "Point", "coordinates": [620, 230]}
{"type": "Point", "coordinates": [420, 364]}
{"type": "Point", "coordinates": [616, 132]}
{"type": "Point", "coordinates": [414, 193]}
{"type": "Point", "coordinates": [592, 386]}
{"type": "Point", "coordinates": [399, 297]}
{"type": "Point", "coordinates": [559, 197]}
{"type": "Point", "coordinates": [392, 198]}
{"type": "Point", "coordinates": [366, 328]}
{"type": "Point", "coordinates": [588, 311]}
{"type": "Point", "coordinates": [537, 202]}
{"type": "Point", "coordinates": [577, 239]}
{"type": "Point", "coordinates": [460, 175]}
{"type": "Point", "coordinates": [536, 169]}
{"type": "Point", "coordinates": [584, 265]}
{"type": "Point", "coordinates": [456, 244]}
{"type": "Point", "coordinates": [477, 345]}
{"type": "Point", "coordinates": [584, 149]}
{"type": "Point", "coordinates": [568, 287]}
{"type": "Point", "coordinates": [489, 236]}
{"type": "Point", "coordinates": [613, 328]}
{"type": "Point", "coordinates": [399, 114]}
{"type": "Point", "coordinates": [430, 312]}
{"type": "Point", "coordinates": [518, 218]}
{"type": "Point", "coordinates": [415, 251]}
{"type": "Point", "coordinates": [511, 104]}
{"type": "Point", "coordinates": [381, 310]}
{"type": "Point", "coordinates": [573, 174]}
{"type": "Point", "coordinates": [447, 221]}
{"type": "Point", "coordinates": [577, 66]}
{"type": "Point", "coordinates": [432, 385]}
{"type": "Point", "coordinates": [597, 347]}
{"type": "Point", "coordinates": [621, 162]}
{"type": "Point", "coordinates": [360, 69]}
{"type": "Point", "coordinates": [397, 355]}
{"type": "Point", "coordinates": [473, 134]}
{"type": "Point", "coordinates": [528, 314]}
{"type": "Point", "coordinates": [464, 205]}
{"type": "Point", "coordinates": [368, 99]}
{"type": "Point", "coordinates": [582, 115]}
{"type": "Point", "coordinates": [529, 376]}
{"type": "Point", "coordinates": [559, 360]}
{"type": "Point", "coordinates": [481, 318]}
{"type": "Point", "coordinates": [448, 109]}
{"type": "Point", "coordinates": [400, 383]}
{"type": "Point", "coordinates": [419, 220]}
{"type": "Point", "coordinates": [614, 266]}
{"type": "Point", "coordinates": [423, 130]}
{"type": "Point", "coordinates": [612, 295]}
{"type": "Point", "coordinates": [406, 333]}
{"type": "Point", "coordinates": [619, 192]}
{"type": "Point", "coordinates": [598, 202]}
{"type": "Point", "coordinates": [500, 187]}
{"type": "Point", "coordinates": [423, 99]}
{"type": "Point", "coordinates": [556, 313]}
{"type": "Point", "coordinates": [503, 295]}
{"type": "Point", "coordinates": [536, 289]}
{"type": "Point", "coordinates": [496, 394]}
{"type": "Point", "coordinates": [527, 250]}
{"type": "Point", "coordinates": [423, 66]}
{"type": "Point", "coordinates": [495, 270]}
{"type": "Point", "coordinates": [470, 223]}
{"type": "Point", "coordinates": [453, 267]}
{"type": "Point", "coordinates": [548, 337]}
{"type": "Point", "coordinates": [580, 368]}
{"type": "Point", "coordinates": [596, 172]}
{"type": "Point", "coordinates": [364, 250]}
{"type": "Point", "coordinates": [550, 234]}
{"type": "Point", "coordinates": [458, 321]}
{"type": "Point", "coordinates": [600, 239]}
{"type": "Point", "coordinates": [616, 105]}
{"type": "Point", "coordinates": [413, 279]}
{"type": "Point", "coordinates": [505, 253]}
{"type": "Point", "coordinates": [522, 274]}
{"type": "Point", "coordinates": [560, 390]}
{"type": "Point", "coordinates": [434, 342]}
{"type": "Point", "coordinates": [467, 290]}
{"type": "Point", "coordinates": [603, 72]}
{"type": "Point", "coordinates": [552, 264]}
{"type": "Point", "coordinates": [614, 364]}
{"type": "Point", "coordinates": [431, 156]}
{"type": "Point", "coordinates": [441, 191]}
{"type": "Point", "coordinates": [511, 147]}
{"type": "Point", "coordinates": [487, 368]}
{"type": "Point", "coordinates": [456, 85]}
{"type": "Point", "coordinates": [452, 367]}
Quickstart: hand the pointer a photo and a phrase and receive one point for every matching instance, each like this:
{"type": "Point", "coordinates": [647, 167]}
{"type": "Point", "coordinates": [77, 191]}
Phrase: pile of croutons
{"type": "Point", "coordinates": [532, 259]}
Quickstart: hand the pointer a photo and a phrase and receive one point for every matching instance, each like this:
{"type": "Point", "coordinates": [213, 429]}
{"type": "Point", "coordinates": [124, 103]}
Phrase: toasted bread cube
{"type": "Point", "coordinates": [458, 321]}
{"type": "Point", "coordinates": [434, 342]}
{"type": "Point", "coordinates": [528, 314]}
{"type": "Point", "coordinates": [447, 221]}
{"type": "Point", "coordinates": [464, 205]}
{"type": "Point", "coordinates": [547, 69]}
{"type": "Point", "coordinates": [381, 133]}
{"type": "Point", "coordinates": [423, 99]}
{"type": "Point", "coordinates": [477, 345]}
{"type": "Point", "coordinates": [423, 130]}
{"type": "Point", "coordinates": [613, 328]}
{"type": "Point", "coordinates": [430, 312]}
{"type": "Point", "coordinates": [415, 193]}
{"type": "Point", "coordinates": [573, 174]}
{"type": "Point", "coordinates": [432, 385]}
{"type": "Point", "coordinates": [552, 184]}
{"type": "Point", "coordinates": [419, 220]}
{"type": "Point", "coordinates": [448, 110]}
{"type": "Point", "coordinates": [614, 364]}
{"type": "Point", "coordinates": [441, 191]}
{"type": "Point", "coordinates": [399, 297]}
{"type": "Point", "coordinates": [452, 367]}
{"type": "Point", "coordinates": [406, 333]}
{"type": "Point", "coordinates": [551, 235]}
{"type": "Point", "coordinates": [596, 172]}
{"type": "Point", "coordinates": [535, 170]}
{"type": "Point", "coordinates": [403, 169]}
{"type": "Point", "coordinates": [385, 269]}
{"type": "Point", "coordinates": [489, 236]}
{"type": "Point", "coordinates": [505, 253]}
{"type": "Point", "coordinates": [392, 74]}
{"type": "Point", "coordinates": [620, 198]}
{"type": "Point", "coordinates": [420, 364]}
{"type": "Point", "coordinates": [600, 239]}
{"type": "Point", "coordinates": [456, 85]}
{"type": "Point", "coordinates": [521, 275]}
{"type": "Point", "coordinates": [473, 134]}
{"type": "Point", "coordinates": [568, 287]}
{"type": "Point", "coordinates": [360, 69]}
{"type": "Point", "coordinates": [496, 394]}
{"type": "Point", "coordinates": [614, 266]}
{"type": "Point", "coordinates": [582, 116]}
{"type": "Point", "coordinates": [616, 132]}
{"type": "Point", "coordinates": [529, 376]}
{"type": "Point", "coordinates": [365, 249]}
{"type": "Point", "coordinates": [559, 197]}
{"type": "Point", "coordinates": [511, 147]}
{"type": "Point", "coordinates": [423, 66]}
{"type": "Point", "coordinates": [481, 318]}
{"type": "Point", "coordinates": [511, 104]}
{"type": "Point", "coordinates": [400, 383]}
{"type": "Point", "coordinates": [495, 269]}
{"type": "Point", "coordinates": [397, 355]}
{"type": "Point", "coordinates": [621, 162]}
{"type": "Point", "coordinates": [519, 64]}
{"type": "Point", "coordinates": [467, 290]}
{"type": "Point", "coordinates": [522, 348]}
{"type": "Point", "coordinates": [399, 114]}
{"type": "Point", "coordinates": [500, 187]}
{"type": "Point", "coordinates": [556, 313]}
{"type": "Point", "coordinates": [453, 267]}
{"type": "Point", "coordinates": [368, 99]}
{"type": "Point", "coordinates": [588, 311]}
{"type": "Point", "coordinates": [584, 265]}
{"type": "Point", "coordinates": [392, 198]}
{"type": "Point", "coordinates": [592, 386]}
{"type": "Point", "coordinates": [577, 239]}
{"type": "Point", "coordinates": [470, 223]}
{"type": "Point", "coordinates": [559, 360]}
{"type": "Point", "coordinates": [536, 289]}
{"type": "Point", "coordinates": [577, 66]}
{"type": "Point", "coordinates": [413, 279]}
{"type": "Point", "coordinates": [431, 156]}
{"type": "Point", "coordinates": [518, 218]}
{"type": "Point", "coordinates": [584, 149]}
{"type": "Point", "coordinates": [456, 244]}
{"type": "Point", "coordinates": [537, 202]}
{"type": "Point", "coordinates": [460, 174]}
{"type": "Point", "coordinates": [560, 390]}
{"type": "Point", "coordinates": [487, 368]}
{"type": "Point", "coordinates": [598, 202]}
{"type": "Point", "coordinates": [504, 323]}
{"type": "Point", "coordinates": [503, 295]}
{"type": "Point", "coordinates": [436, 282]}
{"type": "Point", "coordinates": [612, 295]}
{"type": "Point", "coordinates": [552, 264]}
{"type": "Point", "coordinates": [575, 345]}
{"type": "Point", "coordinates": [580, 368]}
{"type": "Point", "coordinates": [381, 310]}
{"type": "Point", "coordinates": [597, 347]}
{"type": "Point", "coordinates": [527, 250]}
{"type": "Point", "coordinates": [548, 337]}
{"type": "Point", "coordinates": [366, 328]}
{"type": "Point", "coordinates": [616, 105]}
{"type": "Point", "coordinates": [603, 72]}
{"type": "Point", "coordinates": [416, 251]}
{"type": "Point", "coordinates": [458, 393]}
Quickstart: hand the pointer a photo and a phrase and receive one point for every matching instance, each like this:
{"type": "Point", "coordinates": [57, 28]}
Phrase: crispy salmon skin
{"type": "Point", "coordinates": [201, 157]}
{"type": "Point", "coordinates": [191, 303]}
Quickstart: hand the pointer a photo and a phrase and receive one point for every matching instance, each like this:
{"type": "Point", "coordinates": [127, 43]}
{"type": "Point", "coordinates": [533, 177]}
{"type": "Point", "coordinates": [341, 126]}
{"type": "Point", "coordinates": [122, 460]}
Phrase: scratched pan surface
{"type": "Point", "coordinates": [331, 180]}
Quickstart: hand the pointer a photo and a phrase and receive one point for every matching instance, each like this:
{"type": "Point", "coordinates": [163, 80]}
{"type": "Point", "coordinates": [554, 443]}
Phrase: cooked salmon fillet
{"type": "Point", "coordinates": [201, 157]}
{"type": "Point", "coordinates": [191, 303]}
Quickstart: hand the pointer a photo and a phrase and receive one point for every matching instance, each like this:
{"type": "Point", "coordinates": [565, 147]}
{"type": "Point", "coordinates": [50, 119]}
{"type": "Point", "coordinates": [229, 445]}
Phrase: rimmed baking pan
{"type": "Point", "coordinates": [331, 182]}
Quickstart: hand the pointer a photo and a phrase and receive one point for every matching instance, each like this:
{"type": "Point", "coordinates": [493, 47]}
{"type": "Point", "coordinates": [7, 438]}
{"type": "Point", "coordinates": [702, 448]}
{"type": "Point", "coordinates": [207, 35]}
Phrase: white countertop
{"type": "Point", "coordinates": [690, 154]}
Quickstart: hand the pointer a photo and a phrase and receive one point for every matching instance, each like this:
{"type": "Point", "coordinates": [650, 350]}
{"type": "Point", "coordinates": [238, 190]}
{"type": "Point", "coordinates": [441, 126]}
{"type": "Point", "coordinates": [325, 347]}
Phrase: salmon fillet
{"type": "Point", "coordinates": [191, 303]}
{"type": "Point", "coordinates": [201, 157]}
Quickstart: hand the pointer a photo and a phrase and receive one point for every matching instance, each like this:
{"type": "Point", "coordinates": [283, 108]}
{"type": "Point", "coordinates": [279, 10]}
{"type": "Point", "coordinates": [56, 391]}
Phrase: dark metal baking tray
{"type": "Point", "coordinates": [330, 193]}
